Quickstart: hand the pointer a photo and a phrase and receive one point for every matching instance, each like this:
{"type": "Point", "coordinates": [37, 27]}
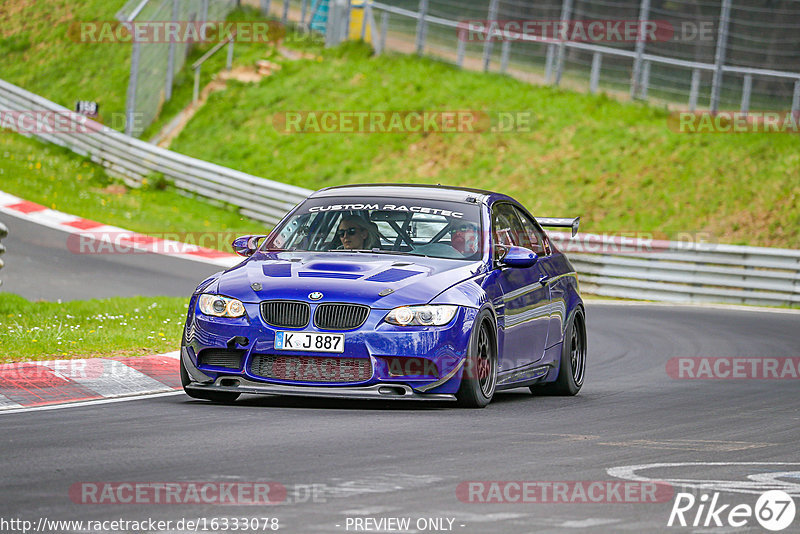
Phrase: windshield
{"type": "Point", "coordinates": [418, 227]}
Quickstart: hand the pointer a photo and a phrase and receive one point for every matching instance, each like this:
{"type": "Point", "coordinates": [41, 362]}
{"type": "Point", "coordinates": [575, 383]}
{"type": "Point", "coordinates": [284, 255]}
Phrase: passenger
{"type": "Point", "coordinates": [464, 237]}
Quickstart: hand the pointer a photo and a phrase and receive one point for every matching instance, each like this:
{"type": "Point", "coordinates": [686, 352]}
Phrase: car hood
{"type": "Point", "coordinates": [377, 280]}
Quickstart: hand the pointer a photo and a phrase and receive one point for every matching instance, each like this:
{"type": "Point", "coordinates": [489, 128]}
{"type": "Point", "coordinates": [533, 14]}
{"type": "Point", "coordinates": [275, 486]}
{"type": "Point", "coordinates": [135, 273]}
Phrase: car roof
{"type": "Point", "coordinates": [433, 192]}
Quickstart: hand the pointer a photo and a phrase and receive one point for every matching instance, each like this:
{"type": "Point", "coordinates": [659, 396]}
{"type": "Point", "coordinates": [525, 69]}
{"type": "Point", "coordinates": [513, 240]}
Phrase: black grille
{"type": "Point", "coordinates": [229, 359]}
{"type": "Point", "coordinates": [340, 316]}
{"type": "Point", "coordinates": [311, 368]}
{"type": "Point", "coordinates": [285, 313]}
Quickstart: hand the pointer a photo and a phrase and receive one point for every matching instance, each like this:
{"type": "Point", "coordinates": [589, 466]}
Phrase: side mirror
{"type": "Point", "coordinates": [520, 257]}
{"type": "Point", "coordinates": [246, 245]}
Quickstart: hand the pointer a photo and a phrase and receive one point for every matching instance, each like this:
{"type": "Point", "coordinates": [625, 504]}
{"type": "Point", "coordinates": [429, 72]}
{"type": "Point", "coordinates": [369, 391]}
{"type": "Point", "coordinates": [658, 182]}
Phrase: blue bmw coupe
{"type": "Point", "coordinates": [391, 292]}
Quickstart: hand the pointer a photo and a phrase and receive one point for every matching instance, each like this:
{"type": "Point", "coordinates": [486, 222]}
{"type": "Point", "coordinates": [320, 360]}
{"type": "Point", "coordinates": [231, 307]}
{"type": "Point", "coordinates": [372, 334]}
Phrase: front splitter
{"type": "Point", "coordinates": [377, 391]}
{"type": "Point", "coordinates": [235, 384]}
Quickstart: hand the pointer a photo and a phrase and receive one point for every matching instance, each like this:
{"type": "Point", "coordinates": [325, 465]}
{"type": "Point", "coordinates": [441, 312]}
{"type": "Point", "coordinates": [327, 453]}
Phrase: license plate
{"type": "Point", "coordinates": [310, 341]}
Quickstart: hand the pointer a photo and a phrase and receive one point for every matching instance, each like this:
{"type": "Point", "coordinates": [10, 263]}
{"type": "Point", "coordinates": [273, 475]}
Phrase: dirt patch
{"type": "Point", "coordinates": [114, 189]}
{"type": "Point", "coordinates": [244, 74]}
{"type": "Point", "coordinates": [241, 74]}
{"type": "Point", "coordinates": [295, 55]}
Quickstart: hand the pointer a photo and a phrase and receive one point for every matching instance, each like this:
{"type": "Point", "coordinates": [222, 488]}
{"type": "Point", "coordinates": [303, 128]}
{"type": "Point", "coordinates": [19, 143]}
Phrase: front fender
{"type": "Point", "coordinates": [468, 293]}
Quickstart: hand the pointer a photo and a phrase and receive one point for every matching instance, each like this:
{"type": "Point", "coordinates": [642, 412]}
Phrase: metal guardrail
{"type": "Point", "coordinates": [134, 160]}
{"type": "Point", "coordinates": [607, 265]}
{"type": "Point", "coordinates": [3, 233]}
{"type": "Point", "coordinates": [679, 271]}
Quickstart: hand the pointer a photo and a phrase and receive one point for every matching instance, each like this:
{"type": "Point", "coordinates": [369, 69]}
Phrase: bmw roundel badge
{"type": "Point", "coordinates": [316, 295]}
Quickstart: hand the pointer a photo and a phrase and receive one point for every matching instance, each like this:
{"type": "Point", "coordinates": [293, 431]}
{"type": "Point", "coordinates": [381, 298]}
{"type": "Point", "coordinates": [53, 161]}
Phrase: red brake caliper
{"type": "Point", "coordinates": [483, 368]}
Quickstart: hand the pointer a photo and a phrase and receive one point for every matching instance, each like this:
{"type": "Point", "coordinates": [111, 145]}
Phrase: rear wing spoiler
{"type": "Point", "coordinates": [560, 222]}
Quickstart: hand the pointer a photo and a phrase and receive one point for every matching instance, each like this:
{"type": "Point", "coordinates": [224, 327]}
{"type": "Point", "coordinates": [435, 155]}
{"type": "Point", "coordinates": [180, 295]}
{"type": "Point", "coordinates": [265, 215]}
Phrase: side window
{"type": "Point", "coordinates": [536, 239]}
{"type": "Point", "coordinates": [507, 230]}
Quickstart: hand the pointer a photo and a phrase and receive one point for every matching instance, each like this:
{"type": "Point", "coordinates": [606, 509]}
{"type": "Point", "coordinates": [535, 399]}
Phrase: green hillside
{"type": "Point", "coordinates": [618, 165]}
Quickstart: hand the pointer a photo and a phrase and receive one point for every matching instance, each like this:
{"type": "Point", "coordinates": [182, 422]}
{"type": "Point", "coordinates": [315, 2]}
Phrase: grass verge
{"type": "Point", "coordinates": [129, 326]}
{"type": "Point", "coordinates": [61, 180]}
{"type": "Point", "coordinates": [38, 53]}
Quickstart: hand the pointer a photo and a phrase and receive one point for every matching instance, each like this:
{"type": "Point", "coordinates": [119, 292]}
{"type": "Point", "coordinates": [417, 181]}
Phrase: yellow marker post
{"type": "Point", "coordinates": [357, 14]}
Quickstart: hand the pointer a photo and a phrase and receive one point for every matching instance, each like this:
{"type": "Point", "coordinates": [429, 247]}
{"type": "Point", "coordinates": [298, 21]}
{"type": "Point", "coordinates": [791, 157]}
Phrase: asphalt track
{"type": "Point", "coordinates": [381, 459]}
{"type": "Point", "coordinates": [39, 265]}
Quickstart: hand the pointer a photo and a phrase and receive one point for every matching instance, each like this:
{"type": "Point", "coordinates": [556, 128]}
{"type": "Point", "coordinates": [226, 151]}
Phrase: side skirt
{"type": "Point", "coordinates": [542, 370]}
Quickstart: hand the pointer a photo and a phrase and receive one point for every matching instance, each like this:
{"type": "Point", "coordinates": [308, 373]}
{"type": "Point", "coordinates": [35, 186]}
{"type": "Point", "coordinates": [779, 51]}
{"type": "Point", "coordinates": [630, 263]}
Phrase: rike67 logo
{"type": "Point", "coordinates": [774, 510]}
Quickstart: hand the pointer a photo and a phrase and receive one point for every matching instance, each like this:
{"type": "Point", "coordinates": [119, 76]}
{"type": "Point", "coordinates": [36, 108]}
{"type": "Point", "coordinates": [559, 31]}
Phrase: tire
{"type": "Point", "coordinates": [572, 369]}
{"type": "Point", "coordinates": [479, 377]}
{"type": "Point", "coordinates": [214, 396]}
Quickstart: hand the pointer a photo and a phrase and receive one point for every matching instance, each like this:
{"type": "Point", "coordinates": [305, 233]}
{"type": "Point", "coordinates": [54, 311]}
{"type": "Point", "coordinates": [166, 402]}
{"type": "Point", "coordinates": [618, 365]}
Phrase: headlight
{"type": "Point", "coordinates": [218, 306]}
{"type": "Point", "coordinates": [422, 315]}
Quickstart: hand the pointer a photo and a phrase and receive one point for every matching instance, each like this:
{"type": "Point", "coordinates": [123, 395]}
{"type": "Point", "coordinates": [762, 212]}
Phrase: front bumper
{"type": "Point", "coordinates": [406, 363]}
{"type": "Point", "coordinates": [238, 384]}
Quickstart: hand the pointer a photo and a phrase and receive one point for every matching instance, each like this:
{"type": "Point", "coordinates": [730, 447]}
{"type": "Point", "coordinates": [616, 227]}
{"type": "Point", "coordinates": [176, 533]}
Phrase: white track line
{"type": "Point", "coordinates": [90, 402]}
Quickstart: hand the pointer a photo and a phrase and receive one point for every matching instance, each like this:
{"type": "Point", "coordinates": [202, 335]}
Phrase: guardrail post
{"type": "Point", "coordinates": [488, 42]}
{"type": "Point", "coordinates": [345, 20]}
{"type": "Point", "coordinates": [644, 13]}
{"type": "Point", "coordinates": [594, 77]}
{"type": "Point", "coordinates": [285, 14]}
{"type": "Point", "coordinates": [747, 88]}
{"type": "Point", "coordinates": [796, 100]}
{"type": "Point", "coordinates": [196, 91]}
{"type": "Point", "coordinates": [504, 53]}
{"type": "Point", "coordinates": [332, 25]}
{"type": "Point", "coordinates": [461, 47]}
{"type": "Point", "coordinates": [719, 55]}
{"type": "Point", "coordinates": [645, 80]}
{"type": "Point", "coordinates": [366, 19]}
{"type": "Point", "coordinates": [566, 13]}
{"type": "Point", "coordinates": [171, 55]}
{"type": "Point", "coordinates": [229, 61]}
{"type": "Point", "coordinates": [695, 88]}
{"type": "Point", "coordinates": [130, 100]}
{"type": "Point", "coordinates": [421, 26]}
{"type": "Point", "coordinates": [384, 30]}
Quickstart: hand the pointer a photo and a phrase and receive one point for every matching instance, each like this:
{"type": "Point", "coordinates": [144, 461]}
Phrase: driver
{"type": "Point", "coordinates": [354, 234]}
{"type": "Point", "coordinates": [464, 237]}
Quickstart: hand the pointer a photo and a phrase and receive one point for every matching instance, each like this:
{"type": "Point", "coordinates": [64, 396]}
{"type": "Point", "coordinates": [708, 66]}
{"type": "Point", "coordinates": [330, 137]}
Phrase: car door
{"type": "Point", "coordinates": [540, 244]}
{"type": "Point", "coordinates": [525, 298]}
